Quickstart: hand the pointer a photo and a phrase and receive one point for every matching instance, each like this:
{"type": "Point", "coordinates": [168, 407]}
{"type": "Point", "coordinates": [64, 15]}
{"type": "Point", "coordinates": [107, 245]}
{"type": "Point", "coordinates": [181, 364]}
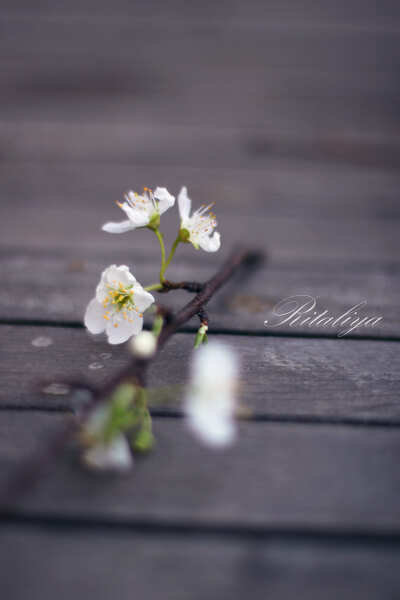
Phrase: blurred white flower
{"type": "Point", "coordinates": [144, 345]}
{"type": "Point", "coordinates": [210, 402]}
{"type": "Point", "coordinates": [200, 226]}
{"type": "Point", "coordinates": [112, 456]}
{"type": "Point", "coordinates": [142, 210]}
{"type": "Point", "coordinates": [118, 306]}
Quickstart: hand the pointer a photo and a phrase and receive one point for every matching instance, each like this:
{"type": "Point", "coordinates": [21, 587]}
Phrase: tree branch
{"type": "Point", "coordinates": [134, 373]}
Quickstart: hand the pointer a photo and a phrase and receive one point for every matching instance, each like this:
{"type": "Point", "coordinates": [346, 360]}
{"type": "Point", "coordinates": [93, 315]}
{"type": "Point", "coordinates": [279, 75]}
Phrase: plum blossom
{"type": "Point", "coordinates": [198, 229]}
{"type": "Point", "coordinates": [144, 344]}
{"type": "Point", "coordinates": [210, 402]}
{"type": "Point", "coordinates": [118, 305]}
{"type": "Point", "coordinates": [112, 456]}
{"type": "Point", "coordinates": [142, 210]}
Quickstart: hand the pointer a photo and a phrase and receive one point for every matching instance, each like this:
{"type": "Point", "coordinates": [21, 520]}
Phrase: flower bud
{"type": "Point", "coordinates": [143, 345]}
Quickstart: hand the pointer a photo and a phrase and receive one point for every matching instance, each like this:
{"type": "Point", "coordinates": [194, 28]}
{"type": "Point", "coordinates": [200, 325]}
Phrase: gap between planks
{"type": "Point", "coordinates": [213, 331]}
{"type": "Point", "coordinates": [158, 527]}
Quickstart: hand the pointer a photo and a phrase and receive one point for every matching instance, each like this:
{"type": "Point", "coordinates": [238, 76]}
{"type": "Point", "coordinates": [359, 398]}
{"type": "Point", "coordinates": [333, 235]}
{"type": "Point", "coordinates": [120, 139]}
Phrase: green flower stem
{"type": "Point", "coordinates": [162, 246]}
{"type": "Point", "coordinates": [153, 286]}
{"type": "Point", "coordinates": [165, 262]}
{"type": "Point", "coordinates": [171, 254]}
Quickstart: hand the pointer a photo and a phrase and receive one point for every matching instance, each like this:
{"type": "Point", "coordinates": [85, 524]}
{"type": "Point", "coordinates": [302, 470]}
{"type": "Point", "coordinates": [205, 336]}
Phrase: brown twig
{"type": "Point", "coordinates": [135, 372]}
{"type": "Point", "coordinates": [190, 286]}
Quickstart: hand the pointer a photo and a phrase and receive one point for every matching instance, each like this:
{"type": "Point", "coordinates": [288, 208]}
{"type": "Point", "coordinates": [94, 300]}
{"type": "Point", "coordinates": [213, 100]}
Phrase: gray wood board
{"type": "Point", "coordinates": [325, 80]}
{"type": "Point", "coordinates": [55, 286]}
{"type": "Point", "coordinates": [286, 188]}
{"type": "Point", "coordinates": [326, 478]}
{"type": "Point", "coordinates": [273, 13]}
{"type": "Point", "coordinates": [100, 563]}
{"type": "Point", "coordinates": [77, 225]}
{"type": "Point", "coordinates": [280, 377]}
{"type": "Point", "coordinates": [146, 141]}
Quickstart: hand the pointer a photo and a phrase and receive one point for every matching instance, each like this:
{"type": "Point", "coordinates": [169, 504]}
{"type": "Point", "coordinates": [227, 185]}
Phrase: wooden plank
{"type": "Point", "coordinates": [286, 477]}
{"type": "Point", "coordinates": [285, 101]}
{"type": "Point", "coordinates": [77, 225]}
{"type": "Point", "coordinates": [173, 145]}
{"type": "Point", "coordinates": [56, 285]}
{"type": "Point", "coordinates": [281, 188]}
{"type": "Point", "coordinates": [280, 378]}
{"type": "Point", "coordinates": [99, 563]}
{"type": "Point", "coordinates": [344, 13]}
{"type": "Point", "coordinates": [185, 76]}
{"type": "Point", "coordinates": [281, 46]}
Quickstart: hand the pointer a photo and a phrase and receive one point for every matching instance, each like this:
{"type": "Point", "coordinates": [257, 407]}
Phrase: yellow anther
{"type": "Point", "coordinates": [115, 324]}
{"type": "Point", "coordinates": [106, 317]}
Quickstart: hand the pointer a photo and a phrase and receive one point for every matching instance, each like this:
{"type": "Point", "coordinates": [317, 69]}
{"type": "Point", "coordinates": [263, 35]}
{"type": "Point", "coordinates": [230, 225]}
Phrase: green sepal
{"type": "Point", "coordinates": [184, 236]}
{"type": "Point", "coordinates": [154, 222]}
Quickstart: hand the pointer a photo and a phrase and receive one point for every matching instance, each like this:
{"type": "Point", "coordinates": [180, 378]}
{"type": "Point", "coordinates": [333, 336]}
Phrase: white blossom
{"type": "Point", "coordinates": [200, 226]}
{"type": "Point", "coordinates": [142, 209]}
{"type": "Point", "coordinates": [144, 345]}
{"type": "Point", "coordinates": [210, 402]}
{"type": "Point", "coordinates": [118, 305]}
{"type": "Point", "coordinates": [112, 456]}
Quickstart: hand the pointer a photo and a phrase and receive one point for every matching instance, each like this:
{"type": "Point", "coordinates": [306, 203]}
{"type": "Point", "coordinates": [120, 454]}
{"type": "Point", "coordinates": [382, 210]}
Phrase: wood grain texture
{"type": "Point", "coordinates": [56, 287]}
{"type": "Point", "coordinates": [288, 188]}
{"type": "Point", "coordinates": [288, 378]}
{"type": "Point", "coordinates": [59, 226]}
{"type": "Point", "coordinates": [305, 81]}
{"type": "Point", "coordinates": [256, 12]}
{"type": "Point", "coordinates": [144, 142]}
{"type": "Point", "coordinates": [276, 476]}
{"type": "Point", "coordinates": [102, 563]}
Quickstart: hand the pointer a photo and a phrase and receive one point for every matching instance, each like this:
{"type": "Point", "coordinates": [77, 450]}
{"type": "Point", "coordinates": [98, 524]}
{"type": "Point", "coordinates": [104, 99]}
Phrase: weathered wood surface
{"type": "Point", "coordinates": [285, 239]}
{"type": "Point", "coordinates": [103, 562]}
{"type": "Point", "coordinates": [289, 188]}
{"type": "Point", "coordinates": [281, 378]}
{"type": "Point", "coordinates": [56, 287]}
{"type": "Point", "coordinates": [283, 13]}
{"type": "Point", "coordinates": [284, 476]}
{"type": "Point", "coordinates": [199, 74]}
{"type": "Point", "coordinates": [286, 115]}
{"type": "Point", "coordinates": [191, 145]}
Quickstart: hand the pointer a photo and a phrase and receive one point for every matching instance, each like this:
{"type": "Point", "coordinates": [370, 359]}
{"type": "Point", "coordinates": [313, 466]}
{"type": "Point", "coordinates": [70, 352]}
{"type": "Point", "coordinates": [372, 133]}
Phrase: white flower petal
{"type": "Point", "coordinates": [210, 243]}
{"type": "Point", "coordinates": [119, 331]}
{"type": "Point", "coordinates": [164, 198]}
{"type": "Point", "coordinates": [141, 298]}
{"type": "Point", "coordinates": [211, 429]}
{"type": "Point", "coordinates": [210, 402]}
{"type": "Point", "coordinates": [115, 456]}
{"type": "Point", "coordinates": [184, 203]}
{"type": "Point", "coordinates": [94, 317]}
{"type": "Point", "coordinates": [140, 217]}
{"type": "Point", "coordinates": [116, 275]}
{"type": "Point", "coordinates": [121, 227]}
